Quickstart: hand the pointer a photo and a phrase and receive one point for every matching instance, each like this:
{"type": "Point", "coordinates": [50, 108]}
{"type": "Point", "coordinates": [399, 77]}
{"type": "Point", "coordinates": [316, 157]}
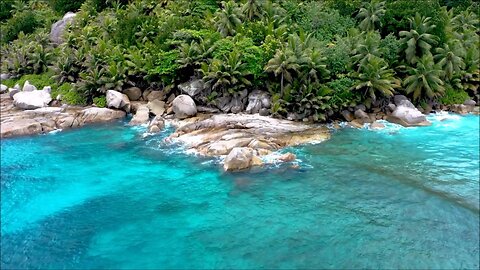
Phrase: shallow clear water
{"type": "Point", "coordinates": [105, 197]}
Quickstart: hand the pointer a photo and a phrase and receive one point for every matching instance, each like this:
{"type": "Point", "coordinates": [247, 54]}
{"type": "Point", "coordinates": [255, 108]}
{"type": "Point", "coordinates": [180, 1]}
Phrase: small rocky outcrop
{"type": "Point", "coordinates": [3, 88]}
{"type": "Point", "coordinates": [156, 125]}
{"type": "Point", "coordinates": [133, 93]}
{"type": "Point", "coordinates": [58, 28]}
{"type": "Point", "coordinates": [377, 125]}
{"type": "Point", "coordinates": [217, 135]}
{"type": "Point", "coordinates": [184, 107]}
{"type": "Point", "coordinates": [258, 100]}
{"type": "Point", "coordinates": [118, 100]}
{"type": "Point", "coordinates": [17, 122]}
{"type": "Point", "coordinates": [192, 88]}
{"type": "Point", "coordinates": [406, 114]}
{"type": "Point", "coordinates": [142, 116]}
{"type": "Point", "coordinates": [287, 157]}
{"type": "Point", "coordinates": [29, 100]}
{"type": "Point", "coordinates": [241, 158]}
{"type": "Point", "coordinates": [4, 76]}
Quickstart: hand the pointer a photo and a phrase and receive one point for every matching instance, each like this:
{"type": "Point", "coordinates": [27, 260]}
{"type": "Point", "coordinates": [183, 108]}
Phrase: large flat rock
{"type": "Point", "coordinates": [217, 135]}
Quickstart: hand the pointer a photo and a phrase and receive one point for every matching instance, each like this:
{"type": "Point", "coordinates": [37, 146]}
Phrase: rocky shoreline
{"type": "Point", "coordinates": [241, 139]}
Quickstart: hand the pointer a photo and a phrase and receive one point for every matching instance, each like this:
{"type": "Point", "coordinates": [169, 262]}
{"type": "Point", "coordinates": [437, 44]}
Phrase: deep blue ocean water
{"type": "Point", "coordinates": [106, 197]}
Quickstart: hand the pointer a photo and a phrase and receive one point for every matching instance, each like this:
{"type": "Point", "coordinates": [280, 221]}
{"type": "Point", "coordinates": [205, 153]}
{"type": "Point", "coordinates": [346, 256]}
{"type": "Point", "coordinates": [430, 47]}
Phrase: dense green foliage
{"type": "Point", "coordinates": [315, 57]}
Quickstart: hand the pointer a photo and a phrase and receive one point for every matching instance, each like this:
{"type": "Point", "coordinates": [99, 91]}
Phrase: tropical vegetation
{"type": "Point", "coordinates": [315, 57]}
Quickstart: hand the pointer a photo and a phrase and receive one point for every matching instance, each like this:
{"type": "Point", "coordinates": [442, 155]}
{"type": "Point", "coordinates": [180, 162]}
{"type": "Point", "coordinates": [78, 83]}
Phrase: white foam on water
{"type": "Point", "coordinates": [390, 128]}
{"type": "Point", "coordinates": [443, 116]}
{"type": "Point", "coordinates": [55, 131]}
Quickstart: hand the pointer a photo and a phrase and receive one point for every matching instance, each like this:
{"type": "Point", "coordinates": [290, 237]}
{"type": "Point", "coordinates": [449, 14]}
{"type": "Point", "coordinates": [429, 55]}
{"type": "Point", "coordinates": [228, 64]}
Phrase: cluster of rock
{"type": "Point", "coordinates": [144, 105]}
{"type": "Point", "coordinates": [242, 139]}
{"type": "Point", "coordinates": [401, 111]}
{"type": "Point", "coordinates": [26, 111]}
{"type": "Point", "coordinates": [148, 107]}
{"type": "Point", "coordinates": [255, 102]}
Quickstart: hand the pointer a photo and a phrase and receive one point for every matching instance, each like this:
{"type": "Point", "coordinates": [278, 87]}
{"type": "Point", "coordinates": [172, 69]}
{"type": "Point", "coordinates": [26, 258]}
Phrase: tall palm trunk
{"type": "Point", "coordinates": [281, 85]}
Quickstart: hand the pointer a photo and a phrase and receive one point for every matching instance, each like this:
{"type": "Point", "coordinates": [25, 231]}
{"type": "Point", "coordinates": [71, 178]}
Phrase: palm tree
{"type": "Point", "coordinates": [284, 64]}
{"type": "Point", "coordinates": [228, 19]}
{"type": "Point", "coordinates": [375, 78]}
{"type": "Point", "coordinates": [253, 9]}
{"type": "Point", "coordinates": [366, 49]}
{"type": "Point", "coordinates": [231, 73]}
{"type": "Point", "coordinates": [315, 67]}
{"type": "Point", "coordinates": [424, 79]}
{"type": "Point", "coordinates": [465, 21]}
{"type": "Point", "coordinates": [370, 15]}
{"type": "Point", "coordinates": [418, 41]}
{"type": "Point", "coordinates": [189, 55]}
{"type": "Point", "coordinates": [273, 12]}
{"type": "Point", "coordinates": [449, 58]}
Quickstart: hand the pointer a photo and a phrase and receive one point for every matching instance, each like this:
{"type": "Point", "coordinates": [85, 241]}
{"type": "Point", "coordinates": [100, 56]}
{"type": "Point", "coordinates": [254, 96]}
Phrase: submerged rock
{"type": "Point", "coordinates": [287, 157]}
{"type": "Point", "coordinates": [377, 125]}
{"type": "Point", "coordinates": [156, 125]}
{"type": "Point", "coordinates": [239, 158]}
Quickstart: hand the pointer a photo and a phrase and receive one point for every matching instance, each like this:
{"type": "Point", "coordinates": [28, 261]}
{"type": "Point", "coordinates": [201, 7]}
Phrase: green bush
{"type": "Point", "coordinates": [24, 21]}
{"type": "Point", "coordinates": [70, 95]}
{"type": "Point", "coordinates": [323, 22]}
{"type": "Point", "coordinates": [341, 94]}
{"type": "Point", "coordinates": [399, 11]}
{"type": "Point", "coordinates": [391, 47]}
{"type": "Point", "coordinates": [452, 96]}
{"type": "Point", "coordinates": [100, 102]}
{"type": "Point", "coordinates": [5, 9]}
{"type": "Point", "coordinates": [28, 54]}
{"type": "Point", "coordinates": [338, 56]}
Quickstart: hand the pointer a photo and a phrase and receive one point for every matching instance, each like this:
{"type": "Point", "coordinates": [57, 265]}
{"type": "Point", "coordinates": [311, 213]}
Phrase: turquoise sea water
{"type": "Point", "coordinates": [106, 197]}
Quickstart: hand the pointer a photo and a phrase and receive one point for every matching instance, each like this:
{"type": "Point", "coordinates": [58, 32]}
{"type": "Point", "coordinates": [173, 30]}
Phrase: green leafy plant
{"type": "Point", "coordinates": [100, 102]}
{"type": "Point", "coordinates": [452, 96]}
{"type": "Point", "coordinates": [425, 79]}
{"type": "Point", "coordinates": [370, 14]}
{"type": "Point", "coordinates": [376, 79]}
